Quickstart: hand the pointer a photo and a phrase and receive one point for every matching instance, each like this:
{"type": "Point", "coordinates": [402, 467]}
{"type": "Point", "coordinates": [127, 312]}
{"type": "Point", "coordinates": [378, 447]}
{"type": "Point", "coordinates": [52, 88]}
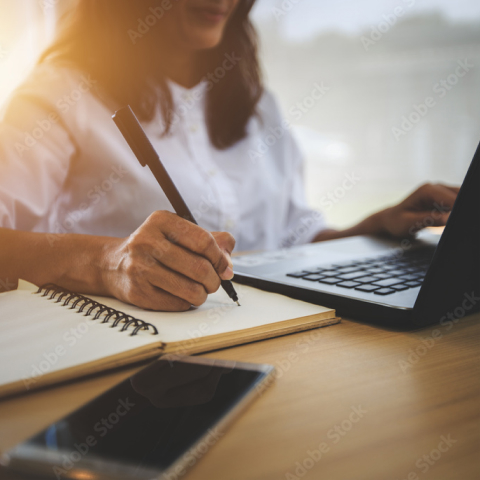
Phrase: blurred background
{"type": "Point", "coordinates": [372, 64]}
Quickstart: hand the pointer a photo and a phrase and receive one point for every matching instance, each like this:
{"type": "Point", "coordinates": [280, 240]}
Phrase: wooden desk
{"type": "Point", "coordinates": [324, 375]}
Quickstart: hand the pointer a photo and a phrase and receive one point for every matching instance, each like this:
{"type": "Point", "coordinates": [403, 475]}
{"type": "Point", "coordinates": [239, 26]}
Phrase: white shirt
{"type": "Point", "coordinates": [65, 167]}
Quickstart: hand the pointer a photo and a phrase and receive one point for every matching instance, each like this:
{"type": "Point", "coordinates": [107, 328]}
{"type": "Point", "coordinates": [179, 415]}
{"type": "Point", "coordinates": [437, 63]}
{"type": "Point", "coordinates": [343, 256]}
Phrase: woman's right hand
{"type": "Point", "coordinates": [167, 264]}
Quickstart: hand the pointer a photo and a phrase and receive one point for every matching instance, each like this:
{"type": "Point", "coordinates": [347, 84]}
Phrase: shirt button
{"type": "Point", "coordinates": [193, 128]}
{"type": "Point", "coordinates": [229, 223]}
{"type": "Point", "coordinates": [212, 172]}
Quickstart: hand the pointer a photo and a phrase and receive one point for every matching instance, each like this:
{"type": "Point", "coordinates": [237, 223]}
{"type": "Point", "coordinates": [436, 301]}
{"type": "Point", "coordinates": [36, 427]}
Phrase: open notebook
{"type": "Point", "coordinates": [51, 335]}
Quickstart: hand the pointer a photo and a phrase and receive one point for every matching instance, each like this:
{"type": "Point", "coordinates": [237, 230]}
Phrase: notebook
{"type": "Point", "coordinates": [50, 335]}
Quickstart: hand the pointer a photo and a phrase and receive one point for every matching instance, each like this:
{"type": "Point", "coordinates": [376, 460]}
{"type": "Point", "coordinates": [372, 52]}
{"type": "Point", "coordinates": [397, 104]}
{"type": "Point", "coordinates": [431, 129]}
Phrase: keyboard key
{"type": "Point", "coordinates": [297, 274]}
{"type": "Point", "coordinates": [375, 270]}
{"type": "Point", "coordinates": [313, 277]}
{"type": "Point", "coordinates": [408, 277]}
{"type": "Point", "coordinates": [389, 268]}
{"type": "Point", "coordinates": [397, 272]}
{"type": "Point", "coordinates": [413, 284]}
{"type": "Point", "coordinates": [400, 287]}
{"type": "Point", "coordinates": [330, 280]}
{"type": "Point", "coordinates": [388, 281]}
{"type": "Point", "coordinates": [312, 271]}
{"type": "Point", "coordinates": [384, 291]}
{"type": "Point", "coordinates": [368, 279]}
{"type": "Point", "coordinates": [367, 288]}
{"type": "Point", "coordinates": [348, 269]}
{"type": "Point", "coordinates": [383, 275]}
{"type": "Point", "coordinates": [348, 284]}
{"type": "Point", "coordinates": [351, 276]}
{"type": "Point", "coordinates": [329, 273]}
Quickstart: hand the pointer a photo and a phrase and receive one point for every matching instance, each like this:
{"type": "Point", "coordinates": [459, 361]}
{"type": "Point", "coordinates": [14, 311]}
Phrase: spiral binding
{"type": "Point", "coordinates": [80, 302]}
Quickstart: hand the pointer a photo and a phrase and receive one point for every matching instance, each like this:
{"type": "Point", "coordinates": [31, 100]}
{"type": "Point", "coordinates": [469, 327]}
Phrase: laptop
{"type": "Point", "coordinates": [402, 284]}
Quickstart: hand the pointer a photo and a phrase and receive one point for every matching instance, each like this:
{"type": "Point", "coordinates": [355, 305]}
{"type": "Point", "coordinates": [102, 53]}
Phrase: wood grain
{"type": "Point", "coordinates": [322, 376]}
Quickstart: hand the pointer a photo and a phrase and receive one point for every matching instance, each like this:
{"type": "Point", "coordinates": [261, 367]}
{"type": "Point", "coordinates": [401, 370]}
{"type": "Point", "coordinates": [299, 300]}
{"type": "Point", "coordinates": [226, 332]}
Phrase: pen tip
{"type": "Point", "coordinates": [238, 303]}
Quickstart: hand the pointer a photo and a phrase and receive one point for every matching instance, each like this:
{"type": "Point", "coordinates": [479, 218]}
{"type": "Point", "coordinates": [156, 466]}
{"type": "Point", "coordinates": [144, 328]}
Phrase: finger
{"type": "Point", "coordinates": [226, 242]}
{"type": "Point", "coordinates": [416, 221]}
{"type": "Point", "coordinates": [195, 239]}
{"type": "Point", "coordinates": [436, 197]}
{"type": "Point", "coordinates": [451, 188]}
{"type": "Point", "coordinates": [150, 297]}
{"type": "Point", "coordinates": [177, 284]}
{"type": "Point", "coordinates": [189, 264]}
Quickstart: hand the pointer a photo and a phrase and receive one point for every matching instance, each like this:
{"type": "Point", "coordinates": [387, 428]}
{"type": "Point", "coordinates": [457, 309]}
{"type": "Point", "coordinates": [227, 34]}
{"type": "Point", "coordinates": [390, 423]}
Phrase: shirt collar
{"type": "Point", "coordinates": [182, 94]}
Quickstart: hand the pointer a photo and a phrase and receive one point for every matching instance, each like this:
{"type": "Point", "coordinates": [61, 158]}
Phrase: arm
{"type": "Point", "coordinates": [429, 205]}
{"type": "Point", "coordinates": [168, 263]}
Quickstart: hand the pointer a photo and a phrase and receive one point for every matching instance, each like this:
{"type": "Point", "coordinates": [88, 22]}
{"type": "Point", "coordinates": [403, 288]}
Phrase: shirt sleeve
{"type": "Point", "coordinates": [35, 154]}
{"type": "Point", "coordinates": [303, 223]}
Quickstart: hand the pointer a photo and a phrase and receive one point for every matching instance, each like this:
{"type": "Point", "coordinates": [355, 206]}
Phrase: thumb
{"type": "Point", "coordinates": [416, 221]}
{"type": "Point", "coordinates": [226, 243]}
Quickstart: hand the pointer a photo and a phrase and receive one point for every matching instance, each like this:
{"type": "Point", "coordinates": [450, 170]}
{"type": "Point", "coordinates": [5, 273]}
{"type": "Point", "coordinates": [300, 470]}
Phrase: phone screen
{"type": "Point", "coordinates": [150, 420]}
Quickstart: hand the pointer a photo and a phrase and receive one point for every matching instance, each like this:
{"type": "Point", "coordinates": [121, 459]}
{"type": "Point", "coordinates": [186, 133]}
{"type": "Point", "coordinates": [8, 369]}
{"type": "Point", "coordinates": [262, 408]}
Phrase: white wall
{"type": "Point", "coordinates": [372, 85]}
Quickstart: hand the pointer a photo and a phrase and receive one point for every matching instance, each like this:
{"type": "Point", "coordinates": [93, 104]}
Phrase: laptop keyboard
{"type": "Point", "coordinates": [380, 275]}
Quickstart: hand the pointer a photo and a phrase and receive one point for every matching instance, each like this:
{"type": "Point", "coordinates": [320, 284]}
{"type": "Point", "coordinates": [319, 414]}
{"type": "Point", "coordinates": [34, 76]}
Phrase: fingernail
{"type": "Point", "coordinates": [227, 274]}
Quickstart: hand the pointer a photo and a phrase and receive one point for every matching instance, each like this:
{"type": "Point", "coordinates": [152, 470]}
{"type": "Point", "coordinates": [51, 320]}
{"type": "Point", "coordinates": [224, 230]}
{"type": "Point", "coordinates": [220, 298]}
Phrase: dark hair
{"type": "Point", "coordinates": [96, 39]}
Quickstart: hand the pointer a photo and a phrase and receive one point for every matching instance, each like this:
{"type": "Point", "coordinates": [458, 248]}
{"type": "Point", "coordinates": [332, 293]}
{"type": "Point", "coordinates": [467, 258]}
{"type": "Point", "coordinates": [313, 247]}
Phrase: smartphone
{"type": "Point", "coordinates": [154, 425]}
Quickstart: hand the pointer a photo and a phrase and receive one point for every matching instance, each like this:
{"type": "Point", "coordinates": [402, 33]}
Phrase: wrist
{"type": "Point", "coordinates": [109, 260]}
{"type": "Point", "coordinates": [375, 224]}
{"type": "Point", "coordinates": [86, 263]}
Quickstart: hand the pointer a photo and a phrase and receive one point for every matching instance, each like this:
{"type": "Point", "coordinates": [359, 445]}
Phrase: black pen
{"type": "Point", "coordinates": [138, 141]}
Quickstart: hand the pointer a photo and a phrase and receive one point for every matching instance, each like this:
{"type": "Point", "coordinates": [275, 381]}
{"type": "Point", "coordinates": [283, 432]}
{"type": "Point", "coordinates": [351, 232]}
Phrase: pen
{"type": "Point", "coordinates": [138, 141]}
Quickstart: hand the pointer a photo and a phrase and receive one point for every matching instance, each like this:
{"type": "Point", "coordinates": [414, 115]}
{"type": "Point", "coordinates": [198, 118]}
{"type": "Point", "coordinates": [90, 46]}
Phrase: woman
{"type": "Point", "coordinates": [72, 193]}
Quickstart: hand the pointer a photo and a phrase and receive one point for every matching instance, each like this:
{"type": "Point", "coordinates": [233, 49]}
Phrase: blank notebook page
{"type": "Point", "coordinates": [37, 333]}
{"type": "Point", "coordinates": [219, 314]}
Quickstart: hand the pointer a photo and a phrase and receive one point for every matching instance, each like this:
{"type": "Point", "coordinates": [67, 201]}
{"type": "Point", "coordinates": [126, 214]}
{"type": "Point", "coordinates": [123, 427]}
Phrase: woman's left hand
{"type": "Point", "coordinates": [429, 205]}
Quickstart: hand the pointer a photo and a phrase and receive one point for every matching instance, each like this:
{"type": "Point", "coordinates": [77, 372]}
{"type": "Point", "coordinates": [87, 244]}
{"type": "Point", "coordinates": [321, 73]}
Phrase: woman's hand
{"type": "Point", "coordinates": [168, 264]}
{"type": "Point", "coordinates": [429, 205]}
